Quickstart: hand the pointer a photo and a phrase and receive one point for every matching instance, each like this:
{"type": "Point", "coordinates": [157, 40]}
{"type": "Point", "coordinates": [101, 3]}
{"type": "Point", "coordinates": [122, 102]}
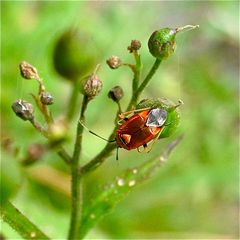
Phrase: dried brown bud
{"type": "Point", "coordinates": [28, 71]}
{"type": "Point", "coordinates": [46, 98]}
{"type": "Point", "coordinates": [23, 109]}
{"type": "Point", "coordinates": [116, 93]}
{"type": "Point", "coordinates": [34, 153]}
{"type": "Point", "coordinates": [114, 62]}
{"type": "Point", "coordinates": [135, 46]}
{"type": "Point", "coordinates": [92, 86]}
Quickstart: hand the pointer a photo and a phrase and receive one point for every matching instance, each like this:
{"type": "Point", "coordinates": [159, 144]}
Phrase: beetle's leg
{"type": "Point", "coordinates": [139, 150]}
{"type": "Point", "coordinates": [129, 113]}
{"type": "Point", "coordinates": [148, 149]}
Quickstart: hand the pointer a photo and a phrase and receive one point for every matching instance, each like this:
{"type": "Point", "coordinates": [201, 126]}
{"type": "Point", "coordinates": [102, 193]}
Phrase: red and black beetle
{"type": "Point", "coordinates": [153, 119]}
{"type": "Point", "coordinates": [141, 128]}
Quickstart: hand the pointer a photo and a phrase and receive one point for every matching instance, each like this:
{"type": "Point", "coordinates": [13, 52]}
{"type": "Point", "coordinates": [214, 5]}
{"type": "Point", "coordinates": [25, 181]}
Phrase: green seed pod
{"type": "Point", "coordinates": [74, 54]}
{"type": "Point", "coordinates": [173, 117]}
{"type": "Point", "coordinates": [23, 109]}
{"type": "Point", "coordinates": [162, 43]}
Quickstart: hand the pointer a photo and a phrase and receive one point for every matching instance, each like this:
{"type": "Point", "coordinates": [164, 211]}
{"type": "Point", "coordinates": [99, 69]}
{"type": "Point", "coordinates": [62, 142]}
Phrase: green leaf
{"type": "Point", "coordinates": [120, 187]}
{"type": "Point", "coordinates": [11, 215]}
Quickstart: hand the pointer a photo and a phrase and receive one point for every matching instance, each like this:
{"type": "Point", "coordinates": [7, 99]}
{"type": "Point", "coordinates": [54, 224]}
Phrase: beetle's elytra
{"type": "Point", "coordinates": [141, 128]}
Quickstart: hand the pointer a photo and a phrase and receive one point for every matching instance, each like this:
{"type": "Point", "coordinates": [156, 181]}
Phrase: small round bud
{"type": "Point", "coordinates": [116, 93]}
{"type": "Point", "coordinates": [28, 71]}
{"type": "Point", "coordinates": [162, 43]}
{"type": "Point", "coordinates": [114, 62]}
{"type": "Point", "coordinates": [58, 132]}
{"type": "Point", "coordinates": [74, 54]}
{"type": "Point", "coordinates": [46, 98]}
{"type": "Point", "coordinates": [34, 153]}
{"type": "Point", "coordinates": [92, 86]}
{"type": "Point", "coordinates": [135, 46]}
{"type": "Point", "coordinates": [23, 109]}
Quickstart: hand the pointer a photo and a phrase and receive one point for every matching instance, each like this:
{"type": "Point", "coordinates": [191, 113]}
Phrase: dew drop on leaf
{"type": "Point", "coordinates": [120, 182]}
{"type": "Point", "coordinates": [131, 183]}
{"type": "Point", "coordinates": [134, 170]}
{"type": "Point", "coordinates": [33, 235]}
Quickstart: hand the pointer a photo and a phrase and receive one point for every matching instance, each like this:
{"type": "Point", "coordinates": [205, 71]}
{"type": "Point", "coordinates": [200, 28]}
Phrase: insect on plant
{"type": "Point", "coordinates": [138, 127]}
{"type": "Point", "coordinates": [143, 125]}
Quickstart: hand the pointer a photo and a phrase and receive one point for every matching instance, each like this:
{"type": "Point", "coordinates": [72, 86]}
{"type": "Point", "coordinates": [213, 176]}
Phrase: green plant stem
{"type": "Point", "coordinates": [76, 187]}
{"type": "Point", "coordinates": [72, 103]}
{"type": "Point", "coordinates": [138, 92]}
{"type": "Point", "coordinates": [20, 223]}
{"type": "Point", "coordinates": [149, 76]}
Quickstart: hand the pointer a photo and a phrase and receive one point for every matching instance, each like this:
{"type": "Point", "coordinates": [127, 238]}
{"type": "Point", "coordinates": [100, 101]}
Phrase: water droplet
{"type": "Point", "coordinates": [134, 170]}
{"type": "Point", "coordinates": [120, 182]}
{"type": "Point", "coordinates": [33, 235]}
{"type": "Point", "coordinates": [131, 183]}
{"type": "Point", "coordinates": [162, 159]}
{"type": "Point", "coordinates": [92, 216]}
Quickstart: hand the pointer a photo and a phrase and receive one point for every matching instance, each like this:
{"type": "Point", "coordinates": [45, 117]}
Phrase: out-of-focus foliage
{"type": "Point", "coordinates": [196, 192]}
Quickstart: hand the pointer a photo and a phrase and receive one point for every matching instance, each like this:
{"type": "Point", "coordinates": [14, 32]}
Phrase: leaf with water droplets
{"type": "Point", "coordinates": [118, 189]}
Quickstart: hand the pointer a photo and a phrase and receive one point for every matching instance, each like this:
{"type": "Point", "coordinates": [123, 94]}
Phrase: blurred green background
{"type": "Point", "coordinates": [195, 195]}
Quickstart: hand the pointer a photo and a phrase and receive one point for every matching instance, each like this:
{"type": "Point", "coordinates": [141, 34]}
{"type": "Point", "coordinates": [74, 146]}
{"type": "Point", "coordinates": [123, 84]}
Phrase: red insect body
{"type": "Point", "coordinates": [134, 132]}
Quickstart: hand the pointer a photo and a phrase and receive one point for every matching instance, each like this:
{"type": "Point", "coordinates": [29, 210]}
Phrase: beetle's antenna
{"type": "Point", "coordinates": [95, 134]}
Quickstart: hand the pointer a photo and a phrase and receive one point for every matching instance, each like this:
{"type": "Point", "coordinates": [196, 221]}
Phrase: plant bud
{"type": "Point", "coordinates": [162, 43]}
{"type": "Point", "coordinates": [28, 71]}
{"type": "Point", "coordinates": [46, 98]}
{"type": "Point", "coordinates": [58, 132]}
{"type": "Point", "coordinates": [116, 93]}
{"type": "Point", "coordinates": [135, 46]}
{"type": "Point", "coordinates": [92, 86]}
{"type": "Point", "coordinates": [114, 62]}
{"type": "Point", "coordinates": [74, 54]}
{"type": "Point", "coordinates": [23, 109]}
{"type": "Point", "coordinates": [34, 153]}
